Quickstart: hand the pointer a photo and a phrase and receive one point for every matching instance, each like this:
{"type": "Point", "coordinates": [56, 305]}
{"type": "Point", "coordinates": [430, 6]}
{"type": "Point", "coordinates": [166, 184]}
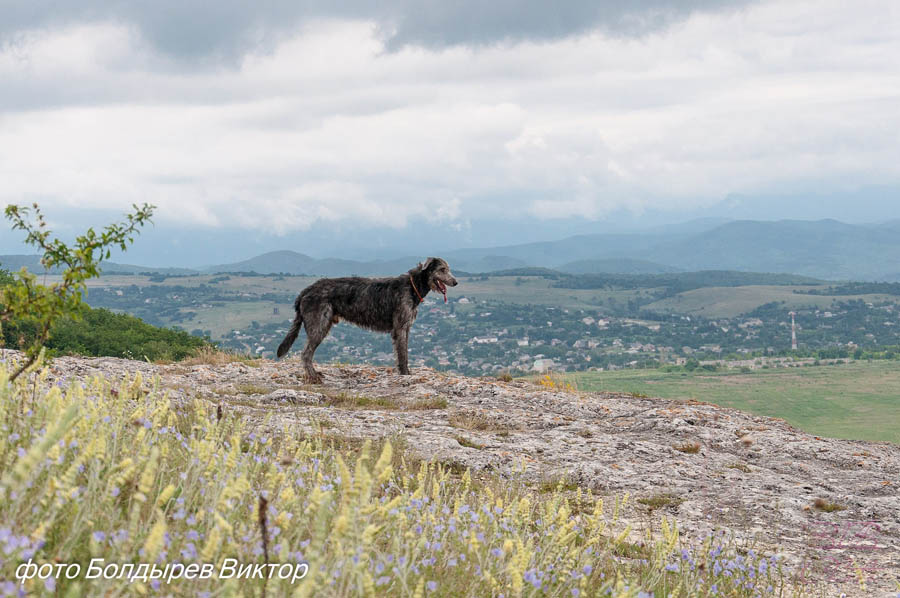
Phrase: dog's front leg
{"type": "Point", "coordinates": [401, 347]}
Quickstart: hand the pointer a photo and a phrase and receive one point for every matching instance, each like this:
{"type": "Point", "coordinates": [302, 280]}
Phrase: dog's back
{"type": "Point", "coordinates": [366, 302]}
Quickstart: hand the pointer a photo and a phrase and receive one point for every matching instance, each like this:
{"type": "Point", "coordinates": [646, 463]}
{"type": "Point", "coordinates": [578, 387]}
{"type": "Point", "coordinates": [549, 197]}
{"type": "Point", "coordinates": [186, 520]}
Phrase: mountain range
{"type": "Point", "coordinates": [826, 249]}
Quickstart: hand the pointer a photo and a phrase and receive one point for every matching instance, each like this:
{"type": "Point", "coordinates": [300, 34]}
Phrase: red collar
{"type": "Point", "coordinates": [415, 289]}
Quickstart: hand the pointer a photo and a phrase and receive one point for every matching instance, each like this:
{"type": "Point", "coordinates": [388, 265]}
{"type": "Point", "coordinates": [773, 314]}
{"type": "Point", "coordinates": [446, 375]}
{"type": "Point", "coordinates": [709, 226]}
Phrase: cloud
{"type": "Point", "coordinates": [326, 125]}
{"type": "Point", "coordinates": [199, 31]}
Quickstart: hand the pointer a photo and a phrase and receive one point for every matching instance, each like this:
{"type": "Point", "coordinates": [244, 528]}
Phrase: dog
{"type": "Point", "coordinates": [380, 304]}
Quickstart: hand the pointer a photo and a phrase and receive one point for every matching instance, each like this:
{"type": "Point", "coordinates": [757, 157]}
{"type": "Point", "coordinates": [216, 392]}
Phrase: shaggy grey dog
{"type": "Point", "coordinates": [381, 304]}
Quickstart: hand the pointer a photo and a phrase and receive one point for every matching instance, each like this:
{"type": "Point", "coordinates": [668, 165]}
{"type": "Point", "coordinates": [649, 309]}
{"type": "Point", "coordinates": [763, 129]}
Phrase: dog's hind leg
{"type": "Point", "coordinates": [317, 325]}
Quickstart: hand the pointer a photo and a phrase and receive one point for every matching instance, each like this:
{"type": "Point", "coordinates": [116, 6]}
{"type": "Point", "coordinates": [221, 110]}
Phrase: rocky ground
{"type": "Point", "coordinates": [831, 507]}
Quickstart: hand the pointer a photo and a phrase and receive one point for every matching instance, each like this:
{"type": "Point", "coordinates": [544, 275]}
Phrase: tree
{"type": "Point", "coordinates": [38, 306]}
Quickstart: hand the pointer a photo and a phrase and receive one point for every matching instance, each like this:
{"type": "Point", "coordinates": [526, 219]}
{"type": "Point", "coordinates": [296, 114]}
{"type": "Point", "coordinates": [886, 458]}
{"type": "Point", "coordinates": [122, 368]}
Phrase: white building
{"type": "Point", "coordinates": [543, 365]}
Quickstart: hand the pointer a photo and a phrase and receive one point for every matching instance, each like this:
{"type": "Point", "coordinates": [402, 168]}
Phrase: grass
{"type": "Point", "coordinates": [742, 467]}
{"type": "Point", "coordinates": [820, 504]}
{"type": "Point", "coordinates": [129, 478]}
{"type": "Point", "coordinates": [691, 448]}
{"type": "Point", "coordinates": [659, 501]}
{"type": "Point", "coordinates": [477, 421]}
{"type": "Point", "coordinates": [463, 441]}
{"type": "Point", "coordinates": [214, 356]}
{"type": "Point", "coordinates": [537, 291]}
{"type": "Point", "coordinates": [346, 401]}
{"type": "Point", "coordinates": [423, 403]}
{"type": "Point", "coordinates": [245, 389]}
{"type": "Point", "coordinates": [632, 550]}
{"type": "Point", "coordinates": [729, 302]}
{"type": "Point", "coordinates": [856, 400]}
{"type": "Point", "coordinates": [558, 484]}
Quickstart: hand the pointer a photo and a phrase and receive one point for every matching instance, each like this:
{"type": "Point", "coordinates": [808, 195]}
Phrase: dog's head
{"type": "Point", "coordinates": [438, 275]}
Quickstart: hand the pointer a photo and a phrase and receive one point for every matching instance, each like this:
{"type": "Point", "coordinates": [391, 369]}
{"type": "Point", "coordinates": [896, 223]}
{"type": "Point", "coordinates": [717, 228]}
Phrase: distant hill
{"type": "Point", "coordinates": [622, 265]}
{"type": "Point", "coordinates": [552, 254]}
{"type": "Point", "coordinates": [33, 263]}
{"type": "Point", "coordinates": [893, 225]}
{"type": "Point", "coordinates": [291, 262]}
{"type": "Point", "coordinates": [489, 263]}
{"type": "Point", "coordinates": [823, 249]}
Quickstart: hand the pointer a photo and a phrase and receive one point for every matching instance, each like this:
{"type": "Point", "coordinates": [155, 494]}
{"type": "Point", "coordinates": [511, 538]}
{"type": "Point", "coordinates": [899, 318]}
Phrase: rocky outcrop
{"type": "Point", "coordinates": [832, 507]}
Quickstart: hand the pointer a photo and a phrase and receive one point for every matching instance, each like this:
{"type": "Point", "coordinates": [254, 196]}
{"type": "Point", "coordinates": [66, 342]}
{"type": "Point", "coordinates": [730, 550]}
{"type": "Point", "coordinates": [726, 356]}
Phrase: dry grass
{"type": "Point", "coordinates": [427, 403]}
{"type": "Point", "coordinates": [630, 550]}
{"type": "Point", "coordinates": [245, 389]}
{"type": "Point", "coordinates": [820, 504]}
{"type": "Point", "coordinates": [477, 421]}
{"type": "Point", "coordinates": [558, 484]}
{"type": "Point", "coordinates": [740, 467]}
{"type": "Point", "coordinates": [214, 356]}
{"type": "Point", "coordinates": [151, 468]}
{"type": "Point", "coordinates": [455, 468]}
{"type": "Point", "coordinates": [345, 401]}
{"type": "Point", "coordinates": [691, 448]}
{"type": "Point", "coordinates": [504, 377]}
{"type": "Point", "coordinates": [658, 501]}
{"type": "Point", "coordinates": [463, 441]}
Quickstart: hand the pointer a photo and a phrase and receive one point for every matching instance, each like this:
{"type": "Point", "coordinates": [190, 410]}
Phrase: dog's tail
{"type": "Point", "coordinates": [285, 345]}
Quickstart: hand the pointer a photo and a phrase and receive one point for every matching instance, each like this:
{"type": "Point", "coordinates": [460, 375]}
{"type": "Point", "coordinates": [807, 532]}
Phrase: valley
{"type": "Point", "coordinates": [520, 323]}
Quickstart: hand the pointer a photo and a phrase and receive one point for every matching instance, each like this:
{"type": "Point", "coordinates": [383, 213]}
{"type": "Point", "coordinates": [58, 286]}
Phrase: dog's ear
{"type": "Point", "coordinates": [427, 263]}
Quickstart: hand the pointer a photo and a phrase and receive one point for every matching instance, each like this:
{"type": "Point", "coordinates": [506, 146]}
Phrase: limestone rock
{"type": "Point", "coordinates": [758, 477]}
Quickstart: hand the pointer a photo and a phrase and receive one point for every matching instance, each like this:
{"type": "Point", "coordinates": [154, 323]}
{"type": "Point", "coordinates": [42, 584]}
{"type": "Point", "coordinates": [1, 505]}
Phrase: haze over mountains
{"type": "Point", "coordinates": [826, 249]}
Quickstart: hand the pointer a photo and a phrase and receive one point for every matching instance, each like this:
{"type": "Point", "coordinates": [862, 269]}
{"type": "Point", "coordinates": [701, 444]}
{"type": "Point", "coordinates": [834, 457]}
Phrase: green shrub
{"type": "Point", "coordinates": [100, 332]}
{"type": "Point", "coordinates": [37, 308]}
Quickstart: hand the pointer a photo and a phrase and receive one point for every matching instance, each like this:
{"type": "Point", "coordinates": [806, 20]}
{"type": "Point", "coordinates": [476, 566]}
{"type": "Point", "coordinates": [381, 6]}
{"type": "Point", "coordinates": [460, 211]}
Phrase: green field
{"type": "Point", "coordinates": [858, 400]}
{"type": "Point", "coordinates": [534, 290]}
{"type": "Point", "coordinates": [729, 302]}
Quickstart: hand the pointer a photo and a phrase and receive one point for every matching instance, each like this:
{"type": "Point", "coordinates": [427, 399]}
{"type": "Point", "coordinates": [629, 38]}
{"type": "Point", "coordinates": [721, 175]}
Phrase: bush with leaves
{"type": "Point", "coordinates": [38, 306]}
{"type": "Point", "coordinates": [99, 332]}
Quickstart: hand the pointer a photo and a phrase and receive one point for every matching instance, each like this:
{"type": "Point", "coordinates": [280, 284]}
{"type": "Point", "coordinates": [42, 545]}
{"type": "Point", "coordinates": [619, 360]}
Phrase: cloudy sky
{"type": "Point", "coordinates": [291, 120]}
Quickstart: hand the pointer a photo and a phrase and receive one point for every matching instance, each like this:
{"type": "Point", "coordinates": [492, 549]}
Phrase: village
{"type": "Point", "coordinates": [491, 337]}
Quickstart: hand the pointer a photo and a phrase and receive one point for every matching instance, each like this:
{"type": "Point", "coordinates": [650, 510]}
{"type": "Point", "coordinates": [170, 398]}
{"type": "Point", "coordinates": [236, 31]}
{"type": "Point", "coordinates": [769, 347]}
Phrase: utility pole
{"type": "Point", "coordinates": [793, 331]}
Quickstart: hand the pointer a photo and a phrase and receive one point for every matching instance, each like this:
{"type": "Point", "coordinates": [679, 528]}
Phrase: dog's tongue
{"type": "Point", "coordinates": [444, 291]}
